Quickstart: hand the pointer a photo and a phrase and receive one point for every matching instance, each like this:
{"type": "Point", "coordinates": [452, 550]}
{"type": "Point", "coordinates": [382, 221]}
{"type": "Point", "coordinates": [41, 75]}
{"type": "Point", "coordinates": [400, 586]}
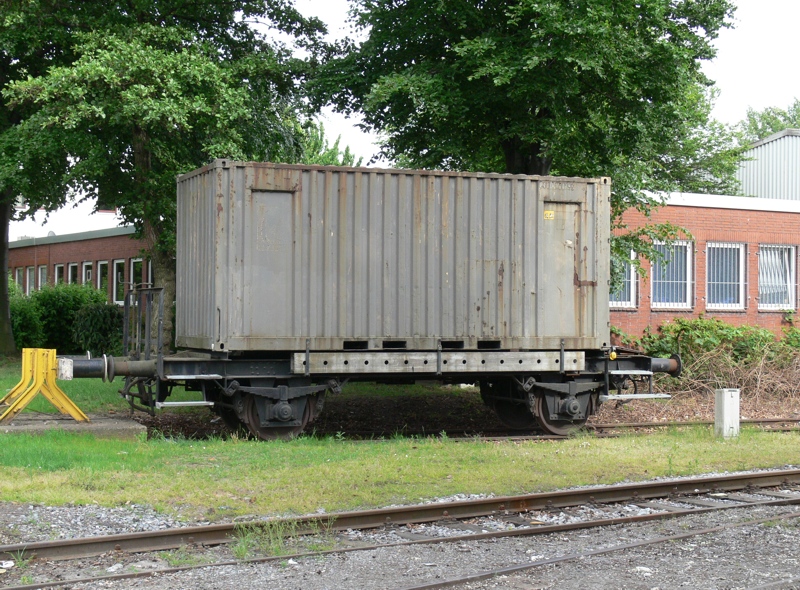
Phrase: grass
{"type": "Point", "coordinates": [180, 557]}
{"type": "Point", "coordinates": [272, 538]}
{"type": "Point", "coordinates": [215, 478]}
{"type": "Point", "coordinates": [284, 537]}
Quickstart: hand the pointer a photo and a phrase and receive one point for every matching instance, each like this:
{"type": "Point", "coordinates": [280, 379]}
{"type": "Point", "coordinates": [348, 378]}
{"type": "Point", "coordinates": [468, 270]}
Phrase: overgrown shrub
{"type": "Point", "coordinates": [98, 328]}
{"type": "Point", "coordinates": [26, 323]}
{"type": "Point", "coordinates": [791, 337]}
{"type": "Point", "coordinates": [692, 338]}
{"type": "Point", "coordinates": [718, 355]}
{"type": "Point", "coordinates": [58, 306]}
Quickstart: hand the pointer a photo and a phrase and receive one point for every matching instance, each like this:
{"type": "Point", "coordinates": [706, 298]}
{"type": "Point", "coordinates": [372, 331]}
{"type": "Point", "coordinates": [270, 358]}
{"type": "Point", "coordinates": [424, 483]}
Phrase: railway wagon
{"type": "Point", "coordinates": [293, 280]}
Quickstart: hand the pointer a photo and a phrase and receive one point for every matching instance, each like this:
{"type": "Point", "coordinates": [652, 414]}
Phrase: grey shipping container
{"type": "Point", "coordinates": [275, 257]}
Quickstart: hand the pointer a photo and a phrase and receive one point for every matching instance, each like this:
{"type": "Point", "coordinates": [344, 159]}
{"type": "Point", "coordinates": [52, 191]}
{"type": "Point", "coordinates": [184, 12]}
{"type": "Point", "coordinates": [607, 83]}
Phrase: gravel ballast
{"type": "Point", "coordinates": [748, 556]}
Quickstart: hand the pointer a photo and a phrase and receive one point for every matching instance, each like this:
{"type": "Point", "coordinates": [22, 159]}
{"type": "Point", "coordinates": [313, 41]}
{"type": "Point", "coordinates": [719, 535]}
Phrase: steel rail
{"type": "Point", "coordinates": [599, 427]}
{"type": "Point", "coordinates": [224, 533]}
{"type": "Point", "coordinates": [487, 575]}
{"type": "Point", "coordinates": [539, 530]}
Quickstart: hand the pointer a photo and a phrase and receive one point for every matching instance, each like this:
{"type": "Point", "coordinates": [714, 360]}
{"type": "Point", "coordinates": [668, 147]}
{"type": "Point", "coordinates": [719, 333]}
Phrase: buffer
{"type": "Point", "coordinates": [39, 370]}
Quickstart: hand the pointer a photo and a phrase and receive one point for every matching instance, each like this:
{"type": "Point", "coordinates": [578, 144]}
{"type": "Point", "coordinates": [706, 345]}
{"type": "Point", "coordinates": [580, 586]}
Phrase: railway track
{"type": "Point", "coordinates": [464, 521]}
{"type": "Point", "coordinates": [610, 429]}
{"type": "Point", "coordinates": [514, 569]}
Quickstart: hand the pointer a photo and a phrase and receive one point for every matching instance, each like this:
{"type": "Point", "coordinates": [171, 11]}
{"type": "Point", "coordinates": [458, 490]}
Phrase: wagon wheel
{"type": "Point", "coordinates": [230, 419]}
{"type": "Point", "coordinates": [556, 427]}
{"type": "Point", "coordinates": [515, 416]}
{"type": "Point", "coordinates": [253, 422]}
{"type": "Point", "coordinates": [501, 396]}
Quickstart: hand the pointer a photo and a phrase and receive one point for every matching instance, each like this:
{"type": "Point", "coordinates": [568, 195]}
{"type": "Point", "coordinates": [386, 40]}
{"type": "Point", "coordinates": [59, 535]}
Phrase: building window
{"type": "Point", "coordinates": [73, 273]}
{"type": "Point", "coordinates": [119, 282]}
{"type": "Point", "coordinates": [724, 276]}
{"type": "Point", "coordinates": [625, 295]}
{"type": "Point", "coordinates": [30, 280]}
{"type": "Point", "coordinates": [102, 276]}
{"type": "Point", "coordinates": [87, 273]}
{"type": "Point", "coordinates": [42, 276]}
{"type": "Point", "coordinates": [671, 276]}
{"type": "Point", "coordinates": [18, 276]}
{"type": "Point", "coordinates": [59, 274]}
{"type": "Point", "coordinates": [776, 277]}
{"type": "Point", "coordinates": [137, 267]}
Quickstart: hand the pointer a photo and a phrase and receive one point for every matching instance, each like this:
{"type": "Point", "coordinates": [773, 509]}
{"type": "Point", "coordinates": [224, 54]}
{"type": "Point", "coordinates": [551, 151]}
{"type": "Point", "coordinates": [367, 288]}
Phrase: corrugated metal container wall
{"type": "Point", "coordinates": [285, 257]}
{"type": "Point", "coordinates": [773, 170]}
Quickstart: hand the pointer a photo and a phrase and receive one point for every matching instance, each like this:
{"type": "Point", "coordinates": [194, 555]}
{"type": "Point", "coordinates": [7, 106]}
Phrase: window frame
{"type": "Point", "coordinates": [742, 270]}
{"type": "Point", "coordinates": [84, 267]}
{"type": "Point", "coordinates": [19, 276]}
{"type": "Point", "coordinates": [116, 282]}
{"type": "Point", "coordinates": [30, 279]}
{"type": "Point", "coordinates": [42, 275]}
{"type": "Point", "coordinates": [132, 272]}
{"type": "Point", "coordinates": [58, 277]}
{"type": "Point", "coordinates": [99, 278]}
{"type": "Point", "coordinates": [633, 276]}
{"type": "Point", "coordinates": [688, 303]}
{"type": "Point", "coordinates": [70, 267]}
{"type": "Point", "coordinates": [792, 279]}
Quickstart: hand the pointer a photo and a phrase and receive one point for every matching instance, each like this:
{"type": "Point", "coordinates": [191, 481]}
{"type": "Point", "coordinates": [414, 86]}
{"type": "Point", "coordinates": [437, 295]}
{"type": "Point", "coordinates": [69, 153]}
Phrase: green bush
{"type": "Point", "coordinates": [26, 321]}
{"type": "Point", "coordinates": [58, 306]}
{"type": "Point", "coordinates": [98, 328]}
{"type": "Point", "coordinates": [693, 338]}
{"type": "Point", "coordinates": [791, 337]}
{"type": "Point", "coordinates": [718, 355]}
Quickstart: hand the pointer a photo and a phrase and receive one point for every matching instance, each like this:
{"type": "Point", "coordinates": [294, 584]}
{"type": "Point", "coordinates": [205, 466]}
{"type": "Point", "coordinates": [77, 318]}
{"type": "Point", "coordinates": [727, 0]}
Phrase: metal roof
{"type": "Point", "coordinates": [76, 237]}
{"type": "Point", "coordinates": [772, 170]}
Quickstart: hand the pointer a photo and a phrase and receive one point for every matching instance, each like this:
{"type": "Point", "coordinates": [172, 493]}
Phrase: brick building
{"type": "Point", "coordinates": [740, 265]}
{"type": "Point", "coordinates": [108, 259]}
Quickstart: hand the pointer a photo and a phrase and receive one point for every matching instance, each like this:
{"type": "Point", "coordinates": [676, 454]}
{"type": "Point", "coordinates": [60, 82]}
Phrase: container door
{"type": "Point", "coordinates": [268, 259]}
{"type": "Point", "coordinates": [559, 295]}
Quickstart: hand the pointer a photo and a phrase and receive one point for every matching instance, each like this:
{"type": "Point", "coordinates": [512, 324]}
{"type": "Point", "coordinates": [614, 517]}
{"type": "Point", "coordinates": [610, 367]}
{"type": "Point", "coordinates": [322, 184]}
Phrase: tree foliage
{"type": "Point", "coordinates": [758, 125]}
{"type": "Point", "coordinates": [318, 150]}
{"type": "Point", "coordinates": [588, 88]}
{"type": "Point", "coordinates": [144, 102]}
{"type": "Point", "coordinates": [146, 90]}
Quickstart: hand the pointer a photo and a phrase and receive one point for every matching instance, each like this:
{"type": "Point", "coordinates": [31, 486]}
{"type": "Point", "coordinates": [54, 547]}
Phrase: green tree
{"type": "Point", "coordinates": [153, 89]}
{"type": "Point", "coordinates": [758, 125]}
{"type": "Point", "coordinates": [33, 38]}
{"type": "Point", "coordinates": [586, 88]}
{"type": "Point", "coordinates": [317, 149]}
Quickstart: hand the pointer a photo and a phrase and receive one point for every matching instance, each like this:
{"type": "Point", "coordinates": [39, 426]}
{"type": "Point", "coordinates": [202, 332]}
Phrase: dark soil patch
{"type": "Point", "coordinates": [455, 412]}
{"type": "Point", "coordinates": [368, 416]}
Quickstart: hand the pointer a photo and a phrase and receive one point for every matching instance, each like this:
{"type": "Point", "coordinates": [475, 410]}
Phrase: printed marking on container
{"type": "Point", "coordinates": [549, 214]}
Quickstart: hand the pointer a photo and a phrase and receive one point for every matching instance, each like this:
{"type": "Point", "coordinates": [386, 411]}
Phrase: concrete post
{"type": "Point", "coordinates": [726, 412]}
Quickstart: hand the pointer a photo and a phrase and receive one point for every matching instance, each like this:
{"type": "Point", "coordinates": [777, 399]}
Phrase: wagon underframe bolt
{"type": "Point", "coordinates": [282, 411]}
{"type": "Point", "coordinates": [571, 406]}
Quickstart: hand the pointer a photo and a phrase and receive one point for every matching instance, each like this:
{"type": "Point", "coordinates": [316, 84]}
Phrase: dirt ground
{"type": "Point", "coordinates": [460, 413]}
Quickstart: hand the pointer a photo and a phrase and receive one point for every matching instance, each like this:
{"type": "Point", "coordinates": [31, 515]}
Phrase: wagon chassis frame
{"type": "Point", "coordinates": [277, 394]}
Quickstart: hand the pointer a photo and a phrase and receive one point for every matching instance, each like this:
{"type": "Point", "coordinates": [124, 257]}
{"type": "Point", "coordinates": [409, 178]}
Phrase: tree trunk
{"type": "Point", "coordinates": [164, 277]}
{"type": "Point", "coordinates": [164, 270]}
{"type": "Point", "coordinates": [7, 345]}
{"type": "Point", "coordinates": [525, 158]}
{"type": "Point", "coordinates": [163, 262]}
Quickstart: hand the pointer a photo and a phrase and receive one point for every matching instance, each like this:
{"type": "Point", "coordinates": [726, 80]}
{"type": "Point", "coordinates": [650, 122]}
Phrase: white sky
{"type": "Point", "coordinates": [756, 66]}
